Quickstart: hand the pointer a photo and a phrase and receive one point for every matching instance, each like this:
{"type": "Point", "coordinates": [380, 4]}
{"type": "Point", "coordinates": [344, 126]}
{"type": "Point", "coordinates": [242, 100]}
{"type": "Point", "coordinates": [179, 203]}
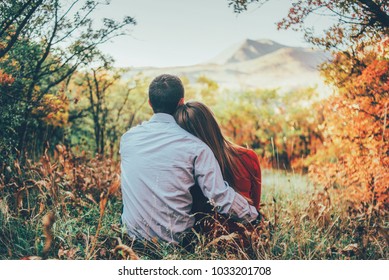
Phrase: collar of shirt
{"type": "Point", "coordinates": [162, 117]}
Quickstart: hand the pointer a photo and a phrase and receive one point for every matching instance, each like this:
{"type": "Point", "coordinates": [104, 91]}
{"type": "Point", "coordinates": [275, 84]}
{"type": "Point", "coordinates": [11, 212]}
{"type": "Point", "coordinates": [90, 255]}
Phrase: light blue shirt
{"type": "Point", "coordinates": [160, 162]}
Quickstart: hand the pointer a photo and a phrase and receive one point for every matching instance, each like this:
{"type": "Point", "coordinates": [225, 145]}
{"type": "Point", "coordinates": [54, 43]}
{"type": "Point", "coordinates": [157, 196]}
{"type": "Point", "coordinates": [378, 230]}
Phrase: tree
{"type": "Point", "coordinates": [7, 121]}
{"type": "Point", "coordinates": [14, 20]}
{"type": "Point", "coordinates": [104, 106]}
{"type": "Point", "coordinates": [356, 152]}
{"type": "Point", "coordinates": [128, 107]}
{"type": "Point", "coordinates": [95, 84]}
{"type": "Point", "coordinates": [354, 20]}
{"type": "Point", "coordinates": [208, 90]}
{"type": "Point", "coordinates": [357, 127]}
{"type": "Point", "coordinates": [42, 44]}
{"type": "Point", "coordinates": [282, 128]}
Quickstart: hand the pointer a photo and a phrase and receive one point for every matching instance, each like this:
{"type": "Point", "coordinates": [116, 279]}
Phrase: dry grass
{"type": "Point", "coordinates": [69, 207]}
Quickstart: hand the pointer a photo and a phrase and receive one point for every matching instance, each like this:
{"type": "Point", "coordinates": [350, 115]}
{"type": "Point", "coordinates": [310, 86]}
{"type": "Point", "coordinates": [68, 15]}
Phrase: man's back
{"type": "Point", "coordinates": [158, 169]}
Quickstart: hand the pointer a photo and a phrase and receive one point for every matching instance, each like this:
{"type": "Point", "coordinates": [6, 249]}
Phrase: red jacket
{"type": "Point", "coordinates": [249, 182]}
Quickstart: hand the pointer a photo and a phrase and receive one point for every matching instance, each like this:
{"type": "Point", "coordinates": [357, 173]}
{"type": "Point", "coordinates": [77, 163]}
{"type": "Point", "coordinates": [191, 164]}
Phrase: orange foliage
{"type": "Point", "coordinates": [53, 109]}
{"type": "Point", "coordinates": [5, 79]}
{"type": "Point", "coordinates": [357, 128]}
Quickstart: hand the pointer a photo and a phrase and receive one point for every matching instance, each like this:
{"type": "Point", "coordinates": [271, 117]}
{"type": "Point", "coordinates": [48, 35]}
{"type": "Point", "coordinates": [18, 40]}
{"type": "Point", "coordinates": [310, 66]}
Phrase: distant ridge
{"type": "Point", "coordinates": [247, 50]}
{"type": "Point", "coordinates": [253, 64]}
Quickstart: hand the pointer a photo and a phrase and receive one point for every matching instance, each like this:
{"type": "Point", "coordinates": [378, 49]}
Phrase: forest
{"type": "Point", "coordinates": [64, 106]}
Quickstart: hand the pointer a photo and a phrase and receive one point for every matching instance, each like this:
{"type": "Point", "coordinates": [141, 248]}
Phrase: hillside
{"type": "Point", "coordinates": [254, 64]}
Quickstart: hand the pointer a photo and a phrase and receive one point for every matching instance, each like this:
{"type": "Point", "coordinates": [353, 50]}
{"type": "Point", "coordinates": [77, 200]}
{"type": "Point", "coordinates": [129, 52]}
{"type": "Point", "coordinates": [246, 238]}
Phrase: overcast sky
{"type": "Point", "coordinates": [187, 32]}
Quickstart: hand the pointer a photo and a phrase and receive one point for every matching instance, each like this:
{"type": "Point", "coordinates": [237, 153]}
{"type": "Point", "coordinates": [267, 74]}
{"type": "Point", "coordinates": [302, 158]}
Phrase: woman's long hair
{"type": "Point", "coordinates": [196, 118]}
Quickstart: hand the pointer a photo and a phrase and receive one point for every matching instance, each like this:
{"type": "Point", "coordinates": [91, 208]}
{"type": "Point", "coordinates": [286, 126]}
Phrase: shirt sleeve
{"type": "Point", "coordinates": [208, 175]}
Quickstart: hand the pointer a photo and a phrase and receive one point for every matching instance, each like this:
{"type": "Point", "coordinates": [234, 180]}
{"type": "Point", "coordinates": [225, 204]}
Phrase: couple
{"type": "Point", "coordinates": [181, 148]}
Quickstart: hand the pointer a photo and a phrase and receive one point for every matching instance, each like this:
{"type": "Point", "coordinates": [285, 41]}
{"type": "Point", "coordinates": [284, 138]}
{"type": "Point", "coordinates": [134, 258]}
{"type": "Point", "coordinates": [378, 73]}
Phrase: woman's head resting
{"type": "Point", "coordinates": [196, 118]}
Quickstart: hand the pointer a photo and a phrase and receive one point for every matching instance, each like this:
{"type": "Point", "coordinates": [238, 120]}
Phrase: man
{"type": "Point", "coordinates": [160, 163]}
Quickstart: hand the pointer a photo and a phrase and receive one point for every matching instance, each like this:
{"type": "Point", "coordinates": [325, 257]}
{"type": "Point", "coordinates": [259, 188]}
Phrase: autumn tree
{"type": "Point", "coordinates": [7, 121]}
{"type": "Point", "coordinates": [104, 106]}
{"type": "Point", "coordinates": [95, 84]}
{"type": "Point", "coordinates": [282, 128]}
{"type": "Point", "coordinates": [357, 127]}
{"type": "Point", "coordinates": [14, 21]}
{"type": "Point", "coordinates": [129, 108]}
{"type": "Point", "coordinates": [208, 90]}
{"type": "Point", "coordinates": [355, 152]}
{"type": "Point", "coordinates": [353, 21]}
{"type": "Point", "coordinates": [42, 44]}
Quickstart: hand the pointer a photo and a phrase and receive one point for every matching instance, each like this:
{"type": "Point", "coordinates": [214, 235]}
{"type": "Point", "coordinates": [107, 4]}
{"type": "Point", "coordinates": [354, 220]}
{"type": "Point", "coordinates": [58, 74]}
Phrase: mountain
{"type": "Point", "coordinates": [254, 64]}
{"type": "Point", "coordinates": [246, 50]}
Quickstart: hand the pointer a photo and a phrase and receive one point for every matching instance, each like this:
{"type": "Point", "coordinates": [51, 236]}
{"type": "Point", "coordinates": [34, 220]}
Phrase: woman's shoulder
{"type": "Point", "coordinates": [249, 159]}
{"type": "Point", "coordinates": [242, 151]}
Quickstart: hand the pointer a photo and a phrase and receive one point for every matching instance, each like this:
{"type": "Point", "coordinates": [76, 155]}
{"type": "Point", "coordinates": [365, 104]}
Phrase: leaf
{"type": "Point", "coordinates": [228, 237]}
{"type": "Point", "coordinates": [127, 252]}
{"type": "Point", "coordinates": [48, 221]}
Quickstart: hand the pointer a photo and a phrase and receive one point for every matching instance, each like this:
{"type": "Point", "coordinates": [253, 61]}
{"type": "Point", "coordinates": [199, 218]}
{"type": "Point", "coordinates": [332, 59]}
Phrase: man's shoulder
{"type": "Point", "coordinates": [174, 130]}
{"type": "Point", "coordinates": [185, 134]}
{"type": "Point", "coordinates": [195, 141]}
{"type": "Point", "coordinates": [135, 129]}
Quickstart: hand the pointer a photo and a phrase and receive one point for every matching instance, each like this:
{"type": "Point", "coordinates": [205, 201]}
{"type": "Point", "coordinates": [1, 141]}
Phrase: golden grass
{"type": "Point", "coordinates": [78, 201]}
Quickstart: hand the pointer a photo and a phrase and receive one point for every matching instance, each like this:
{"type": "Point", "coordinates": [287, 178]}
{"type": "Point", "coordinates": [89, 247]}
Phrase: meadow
{"type": "Point", "coordinates": [68, 207]}
{"type": "Point", "coordinates": [64, 105]}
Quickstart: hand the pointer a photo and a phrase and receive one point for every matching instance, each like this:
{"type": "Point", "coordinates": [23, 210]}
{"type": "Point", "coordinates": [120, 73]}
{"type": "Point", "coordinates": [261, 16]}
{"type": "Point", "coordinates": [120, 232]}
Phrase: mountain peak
{"type": "Point", "coordinates": [262, 41]}
{"type": "Point", "coordinates": [247, 50]}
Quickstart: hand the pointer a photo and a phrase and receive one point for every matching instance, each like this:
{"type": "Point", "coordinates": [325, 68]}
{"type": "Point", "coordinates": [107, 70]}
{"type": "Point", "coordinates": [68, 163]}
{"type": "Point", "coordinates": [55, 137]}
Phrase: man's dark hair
{"type": "Point", "coordinates": [165, 91]}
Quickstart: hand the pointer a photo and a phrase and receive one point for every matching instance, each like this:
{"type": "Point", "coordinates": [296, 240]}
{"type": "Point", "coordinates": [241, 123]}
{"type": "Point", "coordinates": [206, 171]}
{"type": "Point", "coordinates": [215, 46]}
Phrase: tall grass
{"type": "Point", "coordinates": [69, 207]}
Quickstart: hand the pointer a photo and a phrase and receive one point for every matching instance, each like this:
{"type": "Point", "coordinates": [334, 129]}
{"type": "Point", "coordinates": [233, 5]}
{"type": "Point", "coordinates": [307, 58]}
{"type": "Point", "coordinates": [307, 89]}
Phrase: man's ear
{"type": "Point", "coordinates": [181, 102]}
{"type": "Point", "coordinates": [150, 104]}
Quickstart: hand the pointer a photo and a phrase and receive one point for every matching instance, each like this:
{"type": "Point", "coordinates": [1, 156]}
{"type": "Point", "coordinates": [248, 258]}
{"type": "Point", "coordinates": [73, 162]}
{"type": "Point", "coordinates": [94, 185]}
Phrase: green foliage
{"type": "Point", "coordinates": [242, 5]}
{"type": "Point", "coordinates": [116, 109]}
{"type": "Point", "coordinates": [39, 49]}
{"type": "Point", "coordinates": [208, 90]}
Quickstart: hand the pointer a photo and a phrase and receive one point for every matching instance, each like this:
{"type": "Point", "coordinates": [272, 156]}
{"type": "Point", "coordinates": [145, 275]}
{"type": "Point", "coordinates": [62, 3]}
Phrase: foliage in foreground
{"type": "Point", "coordinates": [69, 208]}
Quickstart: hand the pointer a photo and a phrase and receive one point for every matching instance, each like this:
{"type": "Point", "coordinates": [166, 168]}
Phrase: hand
{"type": "Point", "coordinates": [258, 220]}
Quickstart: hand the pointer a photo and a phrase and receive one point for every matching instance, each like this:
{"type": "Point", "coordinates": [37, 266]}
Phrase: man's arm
{"type": "Point", "coordinates": [210, 180]}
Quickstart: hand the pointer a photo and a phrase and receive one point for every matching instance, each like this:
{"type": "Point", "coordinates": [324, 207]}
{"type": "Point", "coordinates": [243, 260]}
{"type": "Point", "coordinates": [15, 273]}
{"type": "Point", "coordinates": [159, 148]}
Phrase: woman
{"type": "Point", "coordinates": [240, 166]}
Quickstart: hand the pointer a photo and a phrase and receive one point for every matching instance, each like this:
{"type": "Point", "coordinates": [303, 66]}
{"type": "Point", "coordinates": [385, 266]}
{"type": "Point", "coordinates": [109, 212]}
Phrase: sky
{"type": "Point", "coordinates": [188, 32]}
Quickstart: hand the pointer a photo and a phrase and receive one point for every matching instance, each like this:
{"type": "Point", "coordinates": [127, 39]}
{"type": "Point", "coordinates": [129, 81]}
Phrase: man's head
{"type": "Point", "coordinates": [166, 92]}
